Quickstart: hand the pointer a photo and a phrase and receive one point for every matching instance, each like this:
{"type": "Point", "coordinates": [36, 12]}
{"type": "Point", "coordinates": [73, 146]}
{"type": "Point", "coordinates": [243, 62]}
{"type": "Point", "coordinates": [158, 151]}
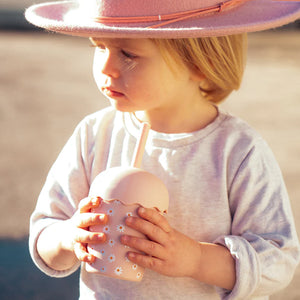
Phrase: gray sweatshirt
{"type": "Point", "coordinates": [225, 187]}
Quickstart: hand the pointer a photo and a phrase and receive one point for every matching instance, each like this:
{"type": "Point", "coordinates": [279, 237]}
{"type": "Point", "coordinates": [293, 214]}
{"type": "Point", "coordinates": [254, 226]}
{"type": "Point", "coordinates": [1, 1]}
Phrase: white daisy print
{"type": "Point", "coordinates": [111, 258]}
{"type": "Point", "coordinates": [106, 229]}
{"type": "Point", "coordinates": [134, 267]}
{"type": "Point", "coordinates": [120, 228]}
{"type": "Point", "coordinates": [118, 271]}
{"type": "Point", "coordinates": [129, 214]}
{"type": "Point", "coordinates": [102, 252]}
{"type": "Point", "coordinates": [103, 269]}
{"type": "Point", "coordinates": [110, 212]}
{"type": "Point", "coordinates": [111, 242]}
{"type": "Point", "coordinates": [138, 275]}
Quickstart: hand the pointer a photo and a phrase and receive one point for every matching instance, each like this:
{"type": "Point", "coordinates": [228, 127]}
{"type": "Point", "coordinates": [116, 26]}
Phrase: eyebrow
{"type": "Point", "coordinates": [113, 42]}
{"type": "Point", "coordinates": [119, 43]}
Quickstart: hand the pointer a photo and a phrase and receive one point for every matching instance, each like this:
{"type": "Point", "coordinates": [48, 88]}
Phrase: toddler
{"type": "Point", "coordinates": [229, 232]}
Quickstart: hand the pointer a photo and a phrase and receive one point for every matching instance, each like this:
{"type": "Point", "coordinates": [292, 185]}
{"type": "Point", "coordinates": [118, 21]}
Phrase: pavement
{"type": "Point", "coordinates": [46, 88]}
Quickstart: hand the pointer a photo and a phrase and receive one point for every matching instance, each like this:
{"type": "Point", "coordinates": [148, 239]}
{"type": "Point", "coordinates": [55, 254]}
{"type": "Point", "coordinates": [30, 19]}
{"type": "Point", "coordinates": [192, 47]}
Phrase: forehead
{"type": "Point", "coordinates": [123, 43]}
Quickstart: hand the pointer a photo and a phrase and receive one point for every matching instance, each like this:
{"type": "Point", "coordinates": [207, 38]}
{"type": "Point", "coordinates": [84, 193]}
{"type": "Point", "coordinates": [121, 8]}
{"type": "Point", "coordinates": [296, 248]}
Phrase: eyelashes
{"type": "Point", "coordinates": [128, 60]}
{"type": "Point", "coordinates": [128, 54]}
{"type": "Point", "coordinates": [123, 52]}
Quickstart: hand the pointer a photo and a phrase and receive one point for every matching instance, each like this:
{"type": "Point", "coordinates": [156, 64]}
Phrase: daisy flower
{"type": "Point", "coordinates": [120, 228]}
{"type": "Point", "coordinates": [129, 214]}
{"type": "Point", "coordinates": [118, 271]}
{"type": "Point", "coordinates": [103, 269]}
{"type": "Point", "coordinates": [111, 258]}
{"type": "Point", "coordinates": [110, 212]}
{"type": "Point", "coordinates": [134, 267]}
{"type": "Point", "coordinates": [106, 229]}
{"type": "Point", "coordinates": [111, 242]}
{"type": "Point", "coordinates": [138, 275]}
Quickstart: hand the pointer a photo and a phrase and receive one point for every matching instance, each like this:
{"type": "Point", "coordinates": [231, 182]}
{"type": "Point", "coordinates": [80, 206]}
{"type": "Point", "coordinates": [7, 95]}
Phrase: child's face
{"type": "Point", "coordinates": [134, 76]}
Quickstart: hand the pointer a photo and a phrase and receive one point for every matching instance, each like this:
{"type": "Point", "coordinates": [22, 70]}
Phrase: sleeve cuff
{"type": "Point", "coordinates": [246, 266]}
{"type": "Point", "coordinates": [41, 264]}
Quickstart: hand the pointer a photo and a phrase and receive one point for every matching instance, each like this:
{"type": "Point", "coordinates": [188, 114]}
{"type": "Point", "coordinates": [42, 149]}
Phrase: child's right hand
{"type": "Point", "coordinates": [62, 244]}
{"type": "Point", "coordinates": [80, 223]}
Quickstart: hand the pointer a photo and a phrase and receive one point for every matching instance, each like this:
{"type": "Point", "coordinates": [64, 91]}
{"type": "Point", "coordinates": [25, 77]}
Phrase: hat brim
{"type": "Point", "coordinates": [255, 15]}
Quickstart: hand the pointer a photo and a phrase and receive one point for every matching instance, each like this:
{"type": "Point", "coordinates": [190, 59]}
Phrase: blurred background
{"type": "Point", "coordinates": [46, 88]}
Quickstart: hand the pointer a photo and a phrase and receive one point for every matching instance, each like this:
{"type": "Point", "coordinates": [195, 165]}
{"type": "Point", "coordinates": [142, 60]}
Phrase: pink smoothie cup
{"type": "Point", "coordinates": [124, 190]}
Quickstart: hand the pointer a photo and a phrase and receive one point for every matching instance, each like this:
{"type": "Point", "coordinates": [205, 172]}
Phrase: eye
{"type": "Point", "coordinates": [128, 54]}
{"type": "Point", "coordinates": [97, 45]}
{"type": "Point", "coordinates": [102, 48]}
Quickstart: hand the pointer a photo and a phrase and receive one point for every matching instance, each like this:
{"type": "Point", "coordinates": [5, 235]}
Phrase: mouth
{"type": "Point", "coordinates": [111, 92]}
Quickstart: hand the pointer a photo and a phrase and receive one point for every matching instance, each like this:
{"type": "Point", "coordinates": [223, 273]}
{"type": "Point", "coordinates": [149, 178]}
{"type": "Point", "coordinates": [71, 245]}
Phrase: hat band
{"type": "Point", "coordinates": [172, 18]}
{"type": "Point", "coordinates": [176, 17]}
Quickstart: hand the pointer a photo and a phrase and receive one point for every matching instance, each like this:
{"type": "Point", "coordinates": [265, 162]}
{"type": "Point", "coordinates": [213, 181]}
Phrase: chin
{"type": "Point", "coordinates": [121, 108]}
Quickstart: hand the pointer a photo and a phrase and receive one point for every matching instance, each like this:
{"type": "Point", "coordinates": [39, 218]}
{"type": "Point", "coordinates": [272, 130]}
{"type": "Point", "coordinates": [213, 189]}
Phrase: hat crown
{"type": "Point", "coordinates": [121, 8]}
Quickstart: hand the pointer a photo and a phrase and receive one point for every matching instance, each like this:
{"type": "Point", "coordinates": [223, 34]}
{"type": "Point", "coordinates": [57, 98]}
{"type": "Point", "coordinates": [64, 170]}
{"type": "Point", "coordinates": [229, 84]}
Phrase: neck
{"type": "Point", "coordinates": [181, 120]}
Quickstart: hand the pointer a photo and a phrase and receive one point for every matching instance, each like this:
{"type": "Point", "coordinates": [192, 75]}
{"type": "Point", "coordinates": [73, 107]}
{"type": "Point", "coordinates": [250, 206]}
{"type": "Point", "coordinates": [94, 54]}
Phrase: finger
{"type": "Point", "coordinates": [149, 247]}
{"type": "Point", "coordinates": [153, 216]}
{"type": "Point", "coordinates": [82, 254]}
{"type": "Point", "coordinates": [152, 231]}
{"type": "Point", "coordinates": [85, 220]}
{"type": "Point", "coordinates": [87, 237]}
{"type": "Point", "coordinates": [145, 261]}
{"type": "Point", "coordinates": [86, 204]}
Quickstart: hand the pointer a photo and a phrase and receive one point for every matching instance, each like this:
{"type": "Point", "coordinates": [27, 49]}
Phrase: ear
{"type": "Point", "coordinates": [196, 75]}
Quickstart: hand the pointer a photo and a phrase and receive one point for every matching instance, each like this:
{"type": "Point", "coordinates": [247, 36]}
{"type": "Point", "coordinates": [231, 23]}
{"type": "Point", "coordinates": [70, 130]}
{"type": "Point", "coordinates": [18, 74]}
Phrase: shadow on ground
{"type": "Point", "coordinates": [20, 279]}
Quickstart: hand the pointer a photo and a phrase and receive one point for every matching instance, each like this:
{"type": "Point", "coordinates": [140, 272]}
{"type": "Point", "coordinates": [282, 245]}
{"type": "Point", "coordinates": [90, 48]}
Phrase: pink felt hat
{"type": "Point", "coordinates": [162, 18]}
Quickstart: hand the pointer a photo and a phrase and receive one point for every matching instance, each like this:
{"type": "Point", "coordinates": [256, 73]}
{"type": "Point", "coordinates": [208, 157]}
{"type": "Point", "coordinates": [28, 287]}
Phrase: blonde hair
{"type": "Point", "coordinates": [220, 60]}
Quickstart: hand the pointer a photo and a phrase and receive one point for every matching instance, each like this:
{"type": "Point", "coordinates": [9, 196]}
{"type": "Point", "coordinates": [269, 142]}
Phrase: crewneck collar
{"type": "Point", "coordinates": [171, 140]}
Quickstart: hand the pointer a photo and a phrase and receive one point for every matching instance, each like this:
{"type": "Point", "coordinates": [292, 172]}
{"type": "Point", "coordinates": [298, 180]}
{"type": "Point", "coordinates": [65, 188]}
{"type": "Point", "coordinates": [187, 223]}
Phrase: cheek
{"type": "Point", "coordinates": [97, 73]}
{"type": "Point", "coordinates": [139, 78]}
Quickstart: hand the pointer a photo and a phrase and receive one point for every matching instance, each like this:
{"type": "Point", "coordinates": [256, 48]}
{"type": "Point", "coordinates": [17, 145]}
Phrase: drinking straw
{"type": "Point", "coordinates": [140, 146]}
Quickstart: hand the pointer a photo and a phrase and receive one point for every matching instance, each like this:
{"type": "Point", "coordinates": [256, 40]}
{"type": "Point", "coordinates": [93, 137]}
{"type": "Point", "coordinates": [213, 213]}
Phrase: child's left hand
{"type": "Point", "coordinates": [167, 251]}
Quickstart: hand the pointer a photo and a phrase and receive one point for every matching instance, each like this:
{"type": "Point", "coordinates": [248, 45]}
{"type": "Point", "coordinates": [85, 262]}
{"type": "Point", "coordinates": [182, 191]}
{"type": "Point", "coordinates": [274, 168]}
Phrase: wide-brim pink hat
{"type": "Point", "coordinates": [162, 18]}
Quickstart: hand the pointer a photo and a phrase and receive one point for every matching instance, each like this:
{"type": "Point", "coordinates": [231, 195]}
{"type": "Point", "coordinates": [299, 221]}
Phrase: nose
{"type": "Point", "coordinates": [109, 65]}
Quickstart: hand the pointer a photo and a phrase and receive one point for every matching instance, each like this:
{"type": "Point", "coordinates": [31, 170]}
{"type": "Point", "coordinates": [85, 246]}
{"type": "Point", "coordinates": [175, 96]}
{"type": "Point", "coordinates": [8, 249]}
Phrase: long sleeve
{"type": "Point", "coordinates": [67, 183]}
{"type": "Point", "coordinates": [263, 239]}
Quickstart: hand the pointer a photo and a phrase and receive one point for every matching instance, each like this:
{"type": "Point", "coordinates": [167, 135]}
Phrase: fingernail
{"type": "Point", "coordinates": [101, 237]}
{"type": "Point", "coordinates": [91, 258]}
{"type": "Point", "coordinates": [129, 220]}
{"type": "Point", "coordinates": [124, 239]}
{"type": "Point", "coordinates": [142, 210]}
{"type": "Point", "coordinates": [103, 218]}
{"type": "Point", "coordinates": [96, 200]}
{"type": "Point", "coordinates": [131, 255]}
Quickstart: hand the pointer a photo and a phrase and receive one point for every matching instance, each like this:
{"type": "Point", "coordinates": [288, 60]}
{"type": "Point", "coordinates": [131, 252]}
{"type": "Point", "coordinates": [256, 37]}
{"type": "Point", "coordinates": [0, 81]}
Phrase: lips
{"type": "Point", "coordinates": [110, 92]}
